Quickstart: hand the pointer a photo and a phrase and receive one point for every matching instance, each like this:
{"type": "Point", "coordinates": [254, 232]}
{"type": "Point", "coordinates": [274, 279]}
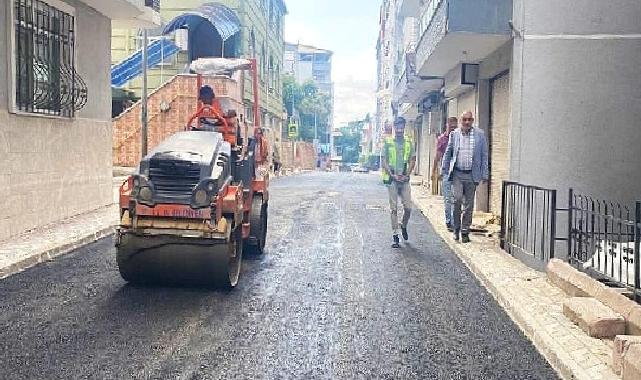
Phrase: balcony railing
{"type": "Point", "coordinates": [447, 27]}
{"type": "Point", "coordinates": [432, 28]}
{"type": "Point", "coordinates": [427, 15]}
{"type": "Point", "coordinates": [408, 72]}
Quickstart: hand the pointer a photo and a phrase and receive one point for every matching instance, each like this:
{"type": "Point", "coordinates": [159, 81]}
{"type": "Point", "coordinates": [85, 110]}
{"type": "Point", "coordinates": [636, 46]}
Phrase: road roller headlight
{"type": "Point", "coordinates": [146, 194]}
{"type": "Point", "coordinates": [200, 198]}
{"type": "Point", "coordinates": [204, 194]}
{"type": "Point", "coordinates": [140, 181]}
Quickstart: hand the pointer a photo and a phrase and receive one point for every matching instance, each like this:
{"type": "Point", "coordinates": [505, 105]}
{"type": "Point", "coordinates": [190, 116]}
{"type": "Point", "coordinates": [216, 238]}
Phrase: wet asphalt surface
{"type": "Point", "coordinates": [330, 300]}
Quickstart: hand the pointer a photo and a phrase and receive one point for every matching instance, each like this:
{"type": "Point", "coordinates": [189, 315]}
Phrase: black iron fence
{"type": "Point", "coordinates": [604, 240]}
{"type": "Point", "coordinates": [603, 237]}
{"type": "Point", "coordinates": [528, 222]}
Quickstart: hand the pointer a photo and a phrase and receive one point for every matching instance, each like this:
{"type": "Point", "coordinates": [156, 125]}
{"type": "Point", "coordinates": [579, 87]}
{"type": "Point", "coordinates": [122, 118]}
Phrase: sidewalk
{"type": "Point", "coordinates": [534, 304]}
{"type": "Point", "coordinates": [43, 244]}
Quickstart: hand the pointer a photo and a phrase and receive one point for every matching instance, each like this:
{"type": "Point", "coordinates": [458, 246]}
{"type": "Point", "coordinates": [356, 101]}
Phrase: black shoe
{"type": "Point", "coordinates": [465, 238]}
{"type": "Point", "coordinates": [456, 235]}
{"type": "Point", "coordinates": [450, 228]}
{"type": "Point", "coordinates": [396, 243]}
{"type": "Point", "coordinates": [406, 237]}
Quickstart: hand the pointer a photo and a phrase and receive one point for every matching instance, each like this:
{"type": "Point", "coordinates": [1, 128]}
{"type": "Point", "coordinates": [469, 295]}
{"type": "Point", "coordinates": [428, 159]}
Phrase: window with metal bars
{"type": "Point", "coordinates": [46, 81]}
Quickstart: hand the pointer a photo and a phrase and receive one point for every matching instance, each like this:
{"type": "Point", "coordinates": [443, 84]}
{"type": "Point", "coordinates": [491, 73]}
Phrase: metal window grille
{"type": "Point", "coordinates": [46, 79]}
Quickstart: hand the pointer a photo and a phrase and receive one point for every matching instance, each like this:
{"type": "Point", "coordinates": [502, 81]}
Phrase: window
{"type": "Point", "coordinates": [271, 74]}
{"type": "Point", "coordinates": [263, 64]}
{"type": "Point", "coordinates": [252, 44]}
{"type": "Point", "coordinates": [46, 81]}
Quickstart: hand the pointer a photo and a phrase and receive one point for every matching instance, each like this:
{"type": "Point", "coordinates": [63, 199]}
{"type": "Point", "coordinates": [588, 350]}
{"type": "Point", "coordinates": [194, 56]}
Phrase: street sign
{"type": "Point", "coordinates": [292, 130]}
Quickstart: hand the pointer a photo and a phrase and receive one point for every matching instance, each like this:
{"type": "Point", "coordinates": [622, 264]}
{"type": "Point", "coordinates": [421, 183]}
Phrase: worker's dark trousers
{"type": "Point", "coordinates": [463, 191]}
{"type": "Point", "coordinates": [402, 190]}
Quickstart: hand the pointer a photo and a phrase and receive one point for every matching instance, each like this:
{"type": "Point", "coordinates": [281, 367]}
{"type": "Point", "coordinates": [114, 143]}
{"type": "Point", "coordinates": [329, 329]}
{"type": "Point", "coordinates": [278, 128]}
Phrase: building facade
{"type": "Point", "coordinates": [260, 37]}
{"type": "Point", "coordinates": [307, 63]}
{"type": "Point", "coordinates": [55, 107]}
{"type": "Point", "coordinates": [385, 58]}
{"type": "Point", "coordinates": [556, 114]}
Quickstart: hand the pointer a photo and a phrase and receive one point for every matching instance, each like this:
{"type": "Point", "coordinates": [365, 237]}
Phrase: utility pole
{"type": "Point", "coordinates": [143, 114]}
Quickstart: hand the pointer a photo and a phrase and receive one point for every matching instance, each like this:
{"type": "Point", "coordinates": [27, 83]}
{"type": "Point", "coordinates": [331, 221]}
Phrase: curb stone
{"type": "Point", "coordinates": [50, 254]}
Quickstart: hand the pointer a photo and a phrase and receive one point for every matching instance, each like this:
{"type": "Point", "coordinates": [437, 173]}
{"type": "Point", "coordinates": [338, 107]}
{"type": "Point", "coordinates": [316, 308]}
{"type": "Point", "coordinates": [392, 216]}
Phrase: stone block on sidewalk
{"type": "Point", "coordinates": [573, 282]}
{"type": "Point", "coordinates": [593, 317]}
{"type": "Point", "coordinates": [632, 363]}
{"type": "Point", "coordinates": [621, 345]}
{"type": "Point", "coordinates": [634, 321]}
{"type": "Point", "coordinates": [615, 301]}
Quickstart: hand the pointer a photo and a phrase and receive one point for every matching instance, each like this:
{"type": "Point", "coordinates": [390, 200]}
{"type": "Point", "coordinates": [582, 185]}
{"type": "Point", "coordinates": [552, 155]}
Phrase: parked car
{"type": "Point", "coordinates": [360, 169]}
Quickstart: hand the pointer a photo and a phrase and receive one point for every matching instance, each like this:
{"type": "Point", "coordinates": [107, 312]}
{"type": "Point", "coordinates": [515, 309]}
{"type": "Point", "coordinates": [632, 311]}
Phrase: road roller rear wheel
{"type": "Point", "coordinates": [258, 226]}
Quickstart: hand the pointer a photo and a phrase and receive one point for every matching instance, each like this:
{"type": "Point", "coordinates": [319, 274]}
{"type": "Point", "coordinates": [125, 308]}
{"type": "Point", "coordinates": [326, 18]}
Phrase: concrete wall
{"type": "Point", "coordinates": [426, 145]}
{"type": "Point", "coordinates": [305, 157]}
{"type": "Point", "coordinates": [54, 168]}
{"type": "Point", "coordinates": [576, 97]}
{"type": "Point", "coordinates": [487, 16]}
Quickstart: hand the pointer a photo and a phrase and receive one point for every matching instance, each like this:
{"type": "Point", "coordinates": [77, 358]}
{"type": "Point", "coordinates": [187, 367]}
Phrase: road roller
{"type": "Point", "coordinates": [200, 198]}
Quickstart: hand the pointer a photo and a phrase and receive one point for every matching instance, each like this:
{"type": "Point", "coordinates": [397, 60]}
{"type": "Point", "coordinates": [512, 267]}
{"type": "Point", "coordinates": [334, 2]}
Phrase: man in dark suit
{"type": "Point", "coordinates": [465, 165]}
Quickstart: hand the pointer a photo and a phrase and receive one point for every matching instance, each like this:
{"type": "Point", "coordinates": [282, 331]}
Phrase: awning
{"type": "Point", "coordinates": [219, 16]}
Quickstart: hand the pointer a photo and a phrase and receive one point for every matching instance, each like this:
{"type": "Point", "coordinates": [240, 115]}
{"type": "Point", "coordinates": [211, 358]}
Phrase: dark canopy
{"type": "Point", "coordinates": [223, 19]}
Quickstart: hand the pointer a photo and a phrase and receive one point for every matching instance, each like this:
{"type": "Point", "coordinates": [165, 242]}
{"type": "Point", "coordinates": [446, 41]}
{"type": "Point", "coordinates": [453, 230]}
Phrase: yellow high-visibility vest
{"type": "Point", "coordinates": [390, 148]}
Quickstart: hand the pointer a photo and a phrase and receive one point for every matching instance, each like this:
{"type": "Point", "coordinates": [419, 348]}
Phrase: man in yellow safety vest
{"type": "Point", "coordinates": [398, 161]}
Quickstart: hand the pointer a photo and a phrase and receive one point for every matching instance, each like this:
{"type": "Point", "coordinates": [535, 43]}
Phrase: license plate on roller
{"type": "Point", "coordinates": [173, 211]}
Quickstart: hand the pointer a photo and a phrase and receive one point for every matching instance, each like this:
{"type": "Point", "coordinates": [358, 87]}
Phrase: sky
{"type": "Point", "coordinates": [349, 28]}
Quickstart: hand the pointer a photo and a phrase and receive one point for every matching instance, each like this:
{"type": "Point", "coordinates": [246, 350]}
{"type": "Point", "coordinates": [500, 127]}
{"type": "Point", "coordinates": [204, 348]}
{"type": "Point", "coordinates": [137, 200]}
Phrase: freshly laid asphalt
{"type": "Point", "coordinates": [330, 300]}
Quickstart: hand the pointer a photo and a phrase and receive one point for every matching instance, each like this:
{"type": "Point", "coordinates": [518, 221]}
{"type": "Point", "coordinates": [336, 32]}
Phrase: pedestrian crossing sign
{"type": "Point", "coordinates": [292, 130]}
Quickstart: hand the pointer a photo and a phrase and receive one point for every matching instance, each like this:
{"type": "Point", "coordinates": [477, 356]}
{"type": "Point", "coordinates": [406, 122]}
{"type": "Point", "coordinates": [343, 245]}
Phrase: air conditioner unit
{"type": "Point", "coordinates": [182, 39]}
{"type": "Point", "coordinates": [470, 73]}
{"type": "Point", "coordinates": [431, 102]}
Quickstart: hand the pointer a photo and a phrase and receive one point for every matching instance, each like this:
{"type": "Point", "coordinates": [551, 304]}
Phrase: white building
{"type": "Point", "coordinates": [55, 107]}
{"type": "Point", "coordinates": [305, 62]}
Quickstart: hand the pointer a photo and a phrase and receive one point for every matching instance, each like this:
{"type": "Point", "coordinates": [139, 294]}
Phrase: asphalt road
{"type": "Point", "coordinates": [330, 300]}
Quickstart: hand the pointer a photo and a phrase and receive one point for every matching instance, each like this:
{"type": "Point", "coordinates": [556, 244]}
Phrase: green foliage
{"type": "Point", "coordinates": [311, 106]}
{"type": "Point", "coordinates": [350, 141]}
{"type": "Point", "coordinates": [292, 93]}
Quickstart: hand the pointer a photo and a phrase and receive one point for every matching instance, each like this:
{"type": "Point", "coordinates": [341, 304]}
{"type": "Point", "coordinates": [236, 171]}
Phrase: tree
{"type": "Point", "coordinates": [310, 106]}
{"type": "Point", "coordinates": [292, 93]}
{"type": "Point", "coordinates": [349, 143]}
